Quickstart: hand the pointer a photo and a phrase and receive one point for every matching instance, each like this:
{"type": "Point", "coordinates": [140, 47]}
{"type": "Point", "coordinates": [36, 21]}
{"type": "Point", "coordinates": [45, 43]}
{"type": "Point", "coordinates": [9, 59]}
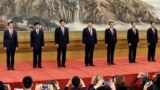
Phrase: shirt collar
{"type": "Point", "coordinates": [133, 28]}
{"type": "Point", "coordinates": [62, 27]}
{"type": "Point", "coordinates": [10, 29]}
{"type": "Point", "coordinates": [111, 28]}
{"type": "Point", "coordinates": [89, 28]}
{"type": "Point", "coordinates": [153, 28]}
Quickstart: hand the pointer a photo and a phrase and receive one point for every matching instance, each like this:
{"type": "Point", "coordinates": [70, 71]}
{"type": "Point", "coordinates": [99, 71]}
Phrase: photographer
{"type": "Point", "coordinates": [51, 85]}
{"type": "Point", "coordinates": [75, 82]}
{"type": "Point", "coordinates": [98, 83]}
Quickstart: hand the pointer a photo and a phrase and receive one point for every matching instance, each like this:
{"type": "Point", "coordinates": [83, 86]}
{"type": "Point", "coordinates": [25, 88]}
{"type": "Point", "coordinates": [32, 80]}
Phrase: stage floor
{"type": "Point", "coordinates": [50, 71]}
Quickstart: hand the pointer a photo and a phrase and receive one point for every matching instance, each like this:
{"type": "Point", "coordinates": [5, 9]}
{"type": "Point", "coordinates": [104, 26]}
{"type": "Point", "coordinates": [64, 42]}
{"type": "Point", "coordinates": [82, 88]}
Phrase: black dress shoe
{"type": "Point", "coordinates": [134, 62]}
{"type": "Point", "coordinates": [40, 67]}
{"type": "Point", "coordinates": [34, 67]}
{"type": "Point", "coordinates": [113, 63]}
{"type": "Point", "coordinates": [86, 65]}
{"type": "Point", "coordinates": [153, 60]}
{"type": "Point", "coordinates": [12, 68]}
{"type": "Point", "coordinates": [92, 65]}
{"type": "Point", "coordinates": [8, 69]}
{"type": "Point", "coordinates": [63, 66]}
{"type": "Point", "coordinates": [109, 64]}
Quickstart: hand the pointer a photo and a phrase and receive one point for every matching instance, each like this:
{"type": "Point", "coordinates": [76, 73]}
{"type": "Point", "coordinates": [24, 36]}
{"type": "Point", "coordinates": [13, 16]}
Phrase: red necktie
{"type": "Point", "coordinates": [90, 30]}
{"type": "Point", "coordinates": [11, 33]}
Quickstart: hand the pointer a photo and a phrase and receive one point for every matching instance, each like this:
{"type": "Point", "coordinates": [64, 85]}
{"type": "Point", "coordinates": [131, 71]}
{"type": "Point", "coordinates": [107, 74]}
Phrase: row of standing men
{"type": "Point", "coordinates": [89, 40]}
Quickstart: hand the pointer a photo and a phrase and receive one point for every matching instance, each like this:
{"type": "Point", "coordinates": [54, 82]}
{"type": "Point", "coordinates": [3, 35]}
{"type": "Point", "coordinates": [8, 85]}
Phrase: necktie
{"type": "Point", "coordinates": [134, 30]}
{"type": "Point", "coordinates": [90, 30]}
{"type": "Point", "coordinates": [11, 33]}
{"type": "Point", "coordinates": [153, 31]}
{"type": "Point", "coordinates": [62, 30]}
{"type": "Point", "coordinates": [112, 31]}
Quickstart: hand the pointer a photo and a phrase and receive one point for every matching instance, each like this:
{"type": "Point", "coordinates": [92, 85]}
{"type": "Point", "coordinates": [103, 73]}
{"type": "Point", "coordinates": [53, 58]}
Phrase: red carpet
{"type": "Point", "coordinates": [50, 70]}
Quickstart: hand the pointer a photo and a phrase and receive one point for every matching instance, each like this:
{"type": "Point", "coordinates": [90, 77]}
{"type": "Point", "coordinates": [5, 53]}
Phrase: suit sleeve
{"type": "Point", "coordinates": [91, 87]}
{"type": "Point", "coordinates": [148, 36]}
{"type": "Point", "coordinates": [42, 38]}
{"type": "Point", "coordinates": [31, 39]}
{"type": "Point", "coordinates": [106, 41]}
{"type": "Point", "coordinates": [56, 36]}
{"type": "Point", "coordinates": [4, 39]}
{"type": "Point", "coordinates": [83, 36]}
{"type": "Point", "coordinates": [157, 36]}
{"type": "Point", "coordinates": [128, 36]}
{"type": "Point", "coordinates": [16, 40]}
{"type": "Point", "coordinates": [138, 37]}
{"type": "Point", "coordinates": [95, 37]}
{"type": "Point", "coordinates": [116, 36]}
{"type": "Point", "coordinates": [67, 36]}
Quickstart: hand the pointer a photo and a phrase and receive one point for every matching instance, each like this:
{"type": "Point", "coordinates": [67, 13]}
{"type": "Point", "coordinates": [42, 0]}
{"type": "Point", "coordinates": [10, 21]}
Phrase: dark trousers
{"type": "Point", "coordinates": [89, 50]}
{"type": "Point", "coordinates": [132, 52]}
{"type": "Point", "coordinates": [151, 51]}
{"type": "Point", "coordinates": [37, 57]}
{"type": "Point", "coordinates": [10, 58]}
{"type": "Point", "coordinates": [61, 51]}
{"type": "Point", "coordinates": [110, 53]}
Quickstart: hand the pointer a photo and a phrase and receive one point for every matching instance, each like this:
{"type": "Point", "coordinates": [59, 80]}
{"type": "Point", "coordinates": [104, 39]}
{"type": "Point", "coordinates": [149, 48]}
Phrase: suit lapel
{"type": "Point", "coordinates": [155, 31]}
{"type": "Point", "coordinates": [90, 33]}
{"type": "Point", "coordinates": [111, 32]}
{"type": "Point", "coordinates": [63, 33]}
{"type": "Point", "coordinates": [134, 32]}
{"type": "Point", "coordinates": [37, 33]}
{"type": "Point", "coordinates": [10, 35]}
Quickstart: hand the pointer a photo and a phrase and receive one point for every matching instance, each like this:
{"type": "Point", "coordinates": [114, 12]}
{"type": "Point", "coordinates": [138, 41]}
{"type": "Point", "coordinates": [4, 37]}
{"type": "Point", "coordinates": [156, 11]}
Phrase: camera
{"type": "Point", "coordinates": [106, 83]}
{"type": "Point", "coordinates": [45, 86]}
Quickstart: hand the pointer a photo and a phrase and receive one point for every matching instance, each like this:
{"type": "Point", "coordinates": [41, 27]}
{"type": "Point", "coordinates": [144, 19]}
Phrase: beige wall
{"type": "Point", "coordinates": [76, 49]}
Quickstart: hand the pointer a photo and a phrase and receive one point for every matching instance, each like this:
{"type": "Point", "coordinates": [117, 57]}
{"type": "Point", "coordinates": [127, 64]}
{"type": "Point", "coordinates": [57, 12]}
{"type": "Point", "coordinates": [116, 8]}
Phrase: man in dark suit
{"type": "Point", "coordinates": [89, 38]}
{"type": "Point", "coordinates": [37, 43]}
{"type": "Point", "coordinates": [10, 44]}
{"type": "Point", "coordinates": [152, 39]}
{"type": "Point", "coordinates": [133, 40]}
{"type": "Point", "coordinates": [61, 41]}
{"type": "Point", "coordinates": [110, 41]}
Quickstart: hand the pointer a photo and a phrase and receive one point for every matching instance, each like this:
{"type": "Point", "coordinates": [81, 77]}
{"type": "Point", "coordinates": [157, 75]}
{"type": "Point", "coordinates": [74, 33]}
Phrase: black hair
{"type": "Point", "coordinates": [110, 22]}
{"type": "Point", "coordinates": [145, 80]}
{"type": "Point", "coordinates": [10, 23]}
{"type": "Point", "coordinates": [62, 20]}
{"type": "Point", "coordinates": [75, 81]}
{"type": "Point", "coordinates": [27, 82]}
{"type": "Point", "coordinates": [36, 23]}
{"type": "Point", "coordinates": [133, 22]}
{"type": "Point", "coordinates": [89, 21]}
{"type": "Point", "coordinates": [152, 22]}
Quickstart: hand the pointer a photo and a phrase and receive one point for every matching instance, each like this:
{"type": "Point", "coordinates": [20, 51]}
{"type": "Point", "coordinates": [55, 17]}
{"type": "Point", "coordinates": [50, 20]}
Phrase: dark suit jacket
{"type": "Point", "coordinates": [75, 88]}
{"type": "Point", "coordinates": [8, 42]}
{"type": "Point", "coordinates": [91, 87]}
{"type": "Point", "coordinates": [60, 38]}
{"type": "Point", "coordinates": [37, 40]}
{"type": "Point", "coordinates": [109, 38]}
{"type": "Point", "coordinates": [87, 38]}
{"type": "Point", "coordinates": [151, 37]}
{"type": "Point", "coordinates": [132, 37]}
